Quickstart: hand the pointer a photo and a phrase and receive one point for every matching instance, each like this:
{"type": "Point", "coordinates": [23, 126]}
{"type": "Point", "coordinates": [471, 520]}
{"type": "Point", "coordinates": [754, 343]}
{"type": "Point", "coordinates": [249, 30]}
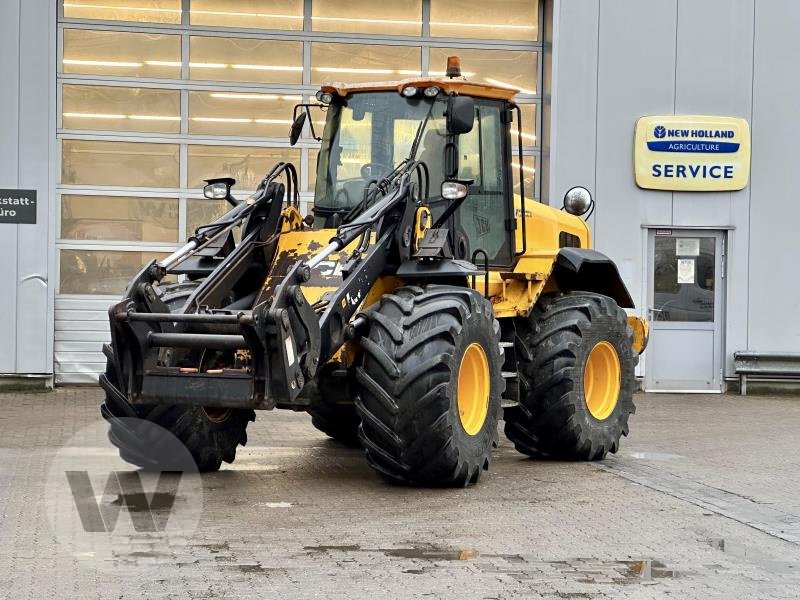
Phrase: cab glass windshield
{"type": "Point", "coordinates": [367, 135]}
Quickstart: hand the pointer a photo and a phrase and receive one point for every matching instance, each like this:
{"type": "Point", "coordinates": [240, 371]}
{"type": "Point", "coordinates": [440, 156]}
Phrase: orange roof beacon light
{"type": "Point", "coordinates": [453, 67]}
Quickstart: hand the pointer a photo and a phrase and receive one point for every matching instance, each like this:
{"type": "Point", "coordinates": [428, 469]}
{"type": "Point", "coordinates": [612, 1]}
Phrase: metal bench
{"type": "Point", "coordinates": [765, 365]}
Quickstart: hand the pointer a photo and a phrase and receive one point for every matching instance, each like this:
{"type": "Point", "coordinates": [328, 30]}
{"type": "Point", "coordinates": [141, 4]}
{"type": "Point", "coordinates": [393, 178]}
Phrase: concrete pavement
{"type": "Point", "coordinates": [703, 501]}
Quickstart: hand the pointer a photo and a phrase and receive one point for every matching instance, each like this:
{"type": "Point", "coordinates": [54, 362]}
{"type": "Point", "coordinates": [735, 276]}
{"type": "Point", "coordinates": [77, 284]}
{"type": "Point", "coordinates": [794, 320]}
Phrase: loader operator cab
{"type": "Point", "coordinates": [369, 134]}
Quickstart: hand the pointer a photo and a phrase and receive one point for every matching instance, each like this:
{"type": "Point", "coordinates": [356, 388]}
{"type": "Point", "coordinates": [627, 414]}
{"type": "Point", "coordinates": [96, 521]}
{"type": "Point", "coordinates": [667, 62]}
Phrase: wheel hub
{"type": "Point", "coordinates": [601, 380]}
{"type": "Point", "coordinates": [474, 381]}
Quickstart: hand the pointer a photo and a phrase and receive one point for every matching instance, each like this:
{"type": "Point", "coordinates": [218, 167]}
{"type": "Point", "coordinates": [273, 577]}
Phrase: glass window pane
{"type": "Point", "coordinates": [683, 277]}
{"type": "Point", "coordinates": [119, 163]}
{"type": "Point", "coordinates": [355, 63]}
{"type": "Point", "coordinates": [481, 217]}
{"type": "Point", "coordinates": [313, 156]}
{"type": "Point", "coordinates": [241, 114]}
{"type": "Point", "coordinates": [119, 218]}
{"type": "Point", "coordinates": [247, 165]}
{"type": "Point", "coordinates": [248, 14]}
{"type": "Point", "coordinates": [528, 175]}
{"type": "Point", "coordinates": [100, 271]}
{"type": "Point", "coordinates": [506, 68]}
{"type": "Point", "coordinates": [528, 126]}
{"type": "Point", "coordinates": [367, 16]}
{"type": "Point", "coordinates": [121, 108]}
{"type": "Point", "coordinates": [122, 54]}
{"type": "Point", "coordinates": [202, 212]}
{"type": "Point", "coordinates": [500, 19]}
{"type": "Point", "coordinates": [149, 11]}
{"type": "Point", "coordinates": [236, 59]}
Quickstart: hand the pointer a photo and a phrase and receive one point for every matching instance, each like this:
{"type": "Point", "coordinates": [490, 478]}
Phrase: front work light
{"type": "Point", "coordinates": [216, 191]}
{"type": "Point", "coordinates": [324, 97]}
{"type": "Point", "coordinates": [432, 92]}
{"type": "Point", "coordinates": [409, 91]}
{"type": "Point", "coordinates": [454, 190]}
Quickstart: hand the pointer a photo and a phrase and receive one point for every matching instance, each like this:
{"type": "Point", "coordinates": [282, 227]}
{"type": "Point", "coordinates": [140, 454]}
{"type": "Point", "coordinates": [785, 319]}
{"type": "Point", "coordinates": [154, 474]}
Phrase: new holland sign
{"type": "Point", "coordinates": [692, 153]}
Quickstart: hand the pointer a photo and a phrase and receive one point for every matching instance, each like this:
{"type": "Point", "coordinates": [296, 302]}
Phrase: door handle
{"type": "Point", "coordinates": [655, 311]}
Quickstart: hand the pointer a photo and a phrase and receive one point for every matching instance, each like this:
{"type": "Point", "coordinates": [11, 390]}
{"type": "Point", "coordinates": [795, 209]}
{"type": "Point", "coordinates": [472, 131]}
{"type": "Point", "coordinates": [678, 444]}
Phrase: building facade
{"type": "Point", "coordinates": [115, 111]}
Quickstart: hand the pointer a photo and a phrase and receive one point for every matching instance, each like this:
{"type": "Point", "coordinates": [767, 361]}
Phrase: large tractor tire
{"type": "Point", "coordinates": [330, 413]}
{"type": "Point", "coordinates": [430, 386]}
{"type": "Point", "coordinates": [210, 435]}
{"type": "Point", "coordinates": [576, 367]}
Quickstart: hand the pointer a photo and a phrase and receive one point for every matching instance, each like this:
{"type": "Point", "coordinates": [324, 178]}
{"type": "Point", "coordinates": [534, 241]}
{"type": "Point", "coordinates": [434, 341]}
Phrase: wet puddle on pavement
{"type": "Point", "coordinates": [755, 557]}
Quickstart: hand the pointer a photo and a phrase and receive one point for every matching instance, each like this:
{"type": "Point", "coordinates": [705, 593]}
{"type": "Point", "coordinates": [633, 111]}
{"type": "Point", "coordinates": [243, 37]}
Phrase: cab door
{"type": "Point", "coordinates": [483, 222]}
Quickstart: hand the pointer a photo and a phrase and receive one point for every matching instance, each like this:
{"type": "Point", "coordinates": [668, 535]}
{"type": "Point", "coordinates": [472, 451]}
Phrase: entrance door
{"type": "Point", "coordinates": [685, 300]}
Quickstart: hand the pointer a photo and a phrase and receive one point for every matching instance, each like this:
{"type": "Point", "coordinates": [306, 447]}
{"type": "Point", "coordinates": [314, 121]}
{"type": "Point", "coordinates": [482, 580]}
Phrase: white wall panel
{"type": "Point", "coordinates": [773, 291]}
{"type": "Point", "coordinates": [27, 120]}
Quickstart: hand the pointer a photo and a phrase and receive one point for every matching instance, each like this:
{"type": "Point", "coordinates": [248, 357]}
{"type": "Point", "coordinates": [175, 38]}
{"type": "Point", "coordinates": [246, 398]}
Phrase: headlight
{"type": "Point", "coordinates": [454, 190]}
{"type": "Point", "coordinates": [409, 91]}
{"type": "Point", "coordinates": [578, 201]}
{"type": "Point", "coordinates": [216, 191]}
{"type": "Point", "coordinates": [432, 92]}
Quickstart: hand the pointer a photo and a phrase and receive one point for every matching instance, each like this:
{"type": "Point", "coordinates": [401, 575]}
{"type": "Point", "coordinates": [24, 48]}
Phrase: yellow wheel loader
{"type": "Point", "coordinates": [419, 303]}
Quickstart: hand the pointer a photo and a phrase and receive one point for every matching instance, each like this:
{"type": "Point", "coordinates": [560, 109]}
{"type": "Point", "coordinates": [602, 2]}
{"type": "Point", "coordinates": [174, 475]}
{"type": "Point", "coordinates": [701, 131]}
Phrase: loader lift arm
{"type": "Point", "coordinates": [285, 336]}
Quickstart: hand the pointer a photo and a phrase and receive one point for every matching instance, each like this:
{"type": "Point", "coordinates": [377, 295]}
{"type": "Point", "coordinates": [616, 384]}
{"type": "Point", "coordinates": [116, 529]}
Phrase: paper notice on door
{"type": "Point", "coordinates": [686, 270]}
{"type": "Point", "coordinates": [687, 246]}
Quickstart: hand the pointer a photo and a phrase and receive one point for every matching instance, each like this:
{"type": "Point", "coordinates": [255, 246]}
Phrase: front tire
{"type": "Point", "coordinates": [430, 386]}
{"type": "Point", "coordinates": [576, 364]}
{"type": "Point", "coordinates": [210, 435]}
{"type": "Point", "coordinates": [330, 412]}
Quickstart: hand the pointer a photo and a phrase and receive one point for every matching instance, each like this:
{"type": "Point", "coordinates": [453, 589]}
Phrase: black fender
{"type": "Point", "coordinates": [582, 269]}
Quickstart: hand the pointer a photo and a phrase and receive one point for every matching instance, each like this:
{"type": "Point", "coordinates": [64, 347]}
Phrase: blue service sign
{"type": "Point", "coordinates": [18, 207]}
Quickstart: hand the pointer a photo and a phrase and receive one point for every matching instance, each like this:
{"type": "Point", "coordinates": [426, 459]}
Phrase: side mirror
{"type": "Point", "coordinates": [460, 115]}
{"type": "Point", "coordinates": [578, 201]}
{"type": "Point", "coordinates": [297, 128]}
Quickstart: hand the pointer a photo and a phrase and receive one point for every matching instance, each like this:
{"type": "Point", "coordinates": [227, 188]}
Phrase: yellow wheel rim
{"type": "Point", "coordinates": [601, 380]}
{"type": "Point", "coordinates": [474, 382]}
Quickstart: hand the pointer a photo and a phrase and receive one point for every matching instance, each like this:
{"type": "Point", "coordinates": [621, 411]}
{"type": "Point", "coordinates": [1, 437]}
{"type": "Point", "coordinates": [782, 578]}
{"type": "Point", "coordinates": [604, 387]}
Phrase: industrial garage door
{"type": "Point", "coordinates": [157, 95]}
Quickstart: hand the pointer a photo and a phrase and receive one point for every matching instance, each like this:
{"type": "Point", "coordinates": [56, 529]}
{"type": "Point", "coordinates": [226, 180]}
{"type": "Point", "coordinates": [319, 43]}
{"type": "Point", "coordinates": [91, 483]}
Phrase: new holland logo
{"type": "Point", "coordinates": [695, 141]}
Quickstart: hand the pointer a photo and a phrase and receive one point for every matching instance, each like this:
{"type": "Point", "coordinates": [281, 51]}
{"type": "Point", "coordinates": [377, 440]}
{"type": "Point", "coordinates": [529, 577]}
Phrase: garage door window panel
{"type": "Point", "coordinates": [247, 165]}
{"type": "Point", "coordinates": [100, 272]}
{"type": "Point", "coordinates": [141, 11]}
{"type": "Point", "coordinates": [124, 164]}
{"type": "Point", "coordinates": [367, 16]}
{"type": "Point", "coordinates": [121, 109]}
{"type": "Point", "coordinates": [119, 218]}
{"type": "Point", "coordinates": [122, 54]}
{"type": "Point", "coordinates": [499, 19]}
{"type": "Point", "coordinates": [355, 63]}
{"type": "Point", "coordinates": [248, 14]}
{"type": "Point", "coordinates": [245, 60]}
{"type": "Point", "coordinates": [241, 114]}
{"type": "Point", "coordinates": [506, 68]}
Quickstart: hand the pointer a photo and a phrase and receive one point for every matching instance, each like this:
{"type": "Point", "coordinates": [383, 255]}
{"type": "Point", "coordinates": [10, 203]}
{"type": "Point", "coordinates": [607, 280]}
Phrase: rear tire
{"type": "Point", "coordinates": [411, 418]}
{"type": "Point", "coordinates": [556, 418]}
{"type": "Point", "coordinates": [210, 435]}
